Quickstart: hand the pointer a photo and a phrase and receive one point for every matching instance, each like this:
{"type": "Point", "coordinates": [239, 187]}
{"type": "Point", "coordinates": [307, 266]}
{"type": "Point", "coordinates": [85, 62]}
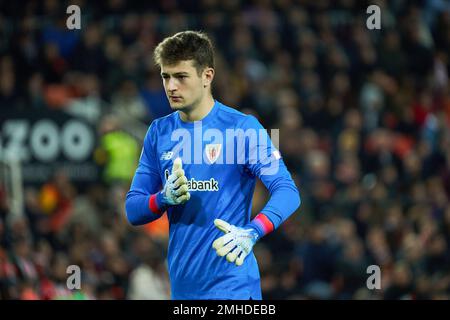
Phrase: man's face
{"type": "Point", "coordinates": [184, 87]}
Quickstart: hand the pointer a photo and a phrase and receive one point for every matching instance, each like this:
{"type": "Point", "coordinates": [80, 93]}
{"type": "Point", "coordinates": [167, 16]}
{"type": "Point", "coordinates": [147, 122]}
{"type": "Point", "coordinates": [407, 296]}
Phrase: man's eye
{"type": "Point", "coordinates": [182, 77]}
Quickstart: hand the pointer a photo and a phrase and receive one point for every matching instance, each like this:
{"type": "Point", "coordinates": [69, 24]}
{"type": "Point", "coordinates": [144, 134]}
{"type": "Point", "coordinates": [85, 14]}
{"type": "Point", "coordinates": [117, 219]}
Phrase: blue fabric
{"type": "Point", "coordinates": [196, 272]}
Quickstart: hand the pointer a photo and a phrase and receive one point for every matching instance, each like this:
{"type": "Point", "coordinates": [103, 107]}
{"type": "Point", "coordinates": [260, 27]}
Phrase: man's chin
{"type": "Point", "coordinates": [177, 106]}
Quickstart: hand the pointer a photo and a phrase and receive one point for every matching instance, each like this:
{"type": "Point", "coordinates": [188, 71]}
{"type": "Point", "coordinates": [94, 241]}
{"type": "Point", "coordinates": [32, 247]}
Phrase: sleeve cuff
{"type": "Point", "coordinates": [262, 224]}
{"type": "Point", "coordinates": [155, 204]}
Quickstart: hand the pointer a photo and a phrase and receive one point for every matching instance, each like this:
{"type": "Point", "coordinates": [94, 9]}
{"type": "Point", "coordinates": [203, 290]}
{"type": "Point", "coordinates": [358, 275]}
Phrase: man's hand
{"type": "Point", "coordinates": [237, 242]}
{"type": "Point", "coordinates": [176, 189]}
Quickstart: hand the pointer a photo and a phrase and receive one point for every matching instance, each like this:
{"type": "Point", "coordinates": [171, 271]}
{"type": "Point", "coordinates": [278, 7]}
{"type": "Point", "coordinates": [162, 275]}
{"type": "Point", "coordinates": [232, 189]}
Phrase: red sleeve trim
{"type": "Point", "coordinates": [264, 222]}
{"type": "Point", "coordinates": [153, 206]}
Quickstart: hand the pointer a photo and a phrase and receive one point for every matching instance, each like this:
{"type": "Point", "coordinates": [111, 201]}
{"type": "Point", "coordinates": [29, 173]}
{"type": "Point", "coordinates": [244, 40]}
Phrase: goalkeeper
{"type": "Point", "coordinates": [208, 202]}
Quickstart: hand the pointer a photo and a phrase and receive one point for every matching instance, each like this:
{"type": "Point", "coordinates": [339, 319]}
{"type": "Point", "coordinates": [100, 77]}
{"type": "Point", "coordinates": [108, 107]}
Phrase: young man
{"type": "Point", "coordinates": [208, 195]}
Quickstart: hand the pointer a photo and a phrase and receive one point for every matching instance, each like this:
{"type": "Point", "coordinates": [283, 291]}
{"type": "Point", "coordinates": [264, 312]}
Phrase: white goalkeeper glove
{"type": "Point", "coordinates": [236, 244]}
{"type": "Point", "coordinates": [175, 190]}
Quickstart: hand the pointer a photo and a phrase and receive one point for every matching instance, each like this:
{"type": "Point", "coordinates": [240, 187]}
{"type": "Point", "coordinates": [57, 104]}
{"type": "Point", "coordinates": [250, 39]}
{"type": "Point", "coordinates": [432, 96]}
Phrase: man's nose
{"type": "Point", "coordinates": [171, 85]}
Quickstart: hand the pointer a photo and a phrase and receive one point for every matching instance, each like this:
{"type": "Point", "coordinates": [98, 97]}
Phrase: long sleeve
{"type": "Point", "coordinates": [265, 162]}
{"type": "Point", "coordinates": [284, 197]}
{"type": "Point", "coordinates": [142, 203]}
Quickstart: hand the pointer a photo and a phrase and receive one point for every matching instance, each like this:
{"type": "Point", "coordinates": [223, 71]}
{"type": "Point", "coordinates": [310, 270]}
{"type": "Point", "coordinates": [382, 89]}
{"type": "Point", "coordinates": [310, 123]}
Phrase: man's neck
{"type": "Point", "coordinates": [198, 112]}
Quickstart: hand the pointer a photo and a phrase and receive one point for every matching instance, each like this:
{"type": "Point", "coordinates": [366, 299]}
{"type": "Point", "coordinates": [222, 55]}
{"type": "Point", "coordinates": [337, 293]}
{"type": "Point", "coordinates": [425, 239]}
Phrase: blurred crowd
{"type": "Point", "coordinates": [364, 119]}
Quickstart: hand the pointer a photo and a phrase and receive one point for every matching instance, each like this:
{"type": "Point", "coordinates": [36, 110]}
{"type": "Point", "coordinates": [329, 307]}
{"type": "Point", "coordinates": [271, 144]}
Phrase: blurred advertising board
{"type": "Point", "coordinates": [48, 141]}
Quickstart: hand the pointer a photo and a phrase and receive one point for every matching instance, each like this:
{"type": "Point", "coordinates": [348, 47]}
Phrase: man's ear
{"type": "Point", "coordinates": [208, 76]}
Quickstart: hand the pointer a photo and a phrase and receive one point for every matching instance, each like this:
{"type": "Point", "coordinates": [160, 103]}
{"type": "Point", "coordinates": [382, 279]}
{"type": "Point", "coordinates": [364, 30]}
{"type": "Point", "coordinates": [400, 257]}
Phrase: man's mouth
{"type": "Point", "coordinates": [175, 98]}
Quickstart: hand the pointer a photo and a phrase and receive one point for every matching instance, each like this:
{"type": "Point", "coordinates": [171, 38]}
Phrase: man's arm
{"type": "Point", "coordinates": [144, 202]}
{"type": "Point", "coordinates": [141, 205]}
{"type": "Point", "coordinates": [284, 200]}
{"type": "Point", "coordinates": [265, 162]}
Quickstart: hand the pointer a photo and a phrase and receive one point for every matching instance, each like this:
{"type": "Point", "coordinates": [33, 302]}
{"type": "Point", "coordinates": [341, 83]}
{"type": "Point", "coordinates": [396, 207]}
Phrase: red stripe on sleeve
{"type": "Point", "coordinates": [264, 222]}
{"type": "Point", "coordinates": [153, 206]}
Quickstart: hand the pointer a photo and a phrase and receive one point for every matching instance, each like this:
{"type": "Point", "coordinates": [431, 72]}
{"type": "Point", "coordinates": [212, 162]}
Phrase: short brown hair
{"type": "Point", "coordinates": [186, 45]}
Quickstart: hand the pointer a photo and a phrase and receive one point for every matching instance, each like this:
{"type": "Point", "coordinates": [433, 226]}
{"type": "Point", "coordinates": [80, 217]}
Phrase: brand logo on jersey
{"type": "Point", "coordinates": [199, 185]}
{"type": "Point", "coordinates": [213, 151]}
{"type": "Point", "coordinates": [167, 155]}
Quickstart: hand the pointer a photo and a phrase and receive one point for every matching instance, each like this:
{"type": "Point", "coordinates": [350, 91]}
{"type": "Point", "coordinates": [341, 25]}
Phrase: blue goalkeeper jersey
{"type": "Point", "coordinates": [223, 155]}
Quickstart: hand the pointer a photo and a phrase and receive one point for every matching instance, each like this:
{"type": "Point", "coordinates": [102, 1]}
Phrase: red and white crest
{"type": "Point", "coordinates": [213, 151]}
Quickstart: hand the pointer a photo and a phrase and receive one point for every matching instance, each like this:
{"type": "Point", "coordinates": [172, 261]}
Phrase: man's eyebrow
{"type": "Point", "coordinates": [182, 73]}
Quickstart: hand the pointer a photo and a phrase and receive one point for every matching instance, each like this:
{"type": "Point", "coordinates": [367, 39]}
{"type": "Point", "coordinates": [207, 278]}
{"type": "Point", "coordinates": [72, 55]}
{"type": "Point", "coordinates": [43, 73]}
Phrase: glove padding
{"type": "Point", "coordinates": [175, 190]}
{"type": "Point", "coordinates": [236, 244]}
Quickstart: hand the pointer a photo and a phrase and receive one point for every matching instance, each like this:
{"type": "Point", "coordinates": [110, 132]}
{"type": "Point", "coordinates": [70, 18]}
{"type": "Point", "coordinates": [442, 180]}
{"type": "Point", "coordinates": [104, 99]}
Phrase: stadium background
{"type": "Point", "coordinates": [364, 118]}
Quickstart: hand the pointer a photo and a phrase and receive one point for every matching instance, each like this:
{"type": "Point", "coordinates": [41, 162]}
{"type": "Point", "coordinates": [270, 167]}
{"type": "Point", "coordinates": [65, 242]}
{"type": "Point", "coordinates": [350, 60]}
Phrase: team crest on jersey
{"type": "Point", "coordinates": [213, 151]}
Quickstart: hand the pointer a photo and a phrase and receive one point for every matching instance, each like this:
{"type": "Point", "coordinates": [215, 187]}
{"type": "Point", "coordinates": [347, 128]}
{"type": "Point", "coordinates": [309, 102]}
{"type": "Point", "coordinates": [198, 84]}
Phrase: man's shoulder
{"type": "Point", "coordinates": [157, 125]}
{"type": "Point", "coordinates": [229, 110]}
{"type": "Point", "coordinates": [233, 113]}
{"type": "Point", "coordinates": [239, 118]}
{"type": "Point", "coordinates": [170, 117]}
{"type": "Point", "coordinates": [164, 120]}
